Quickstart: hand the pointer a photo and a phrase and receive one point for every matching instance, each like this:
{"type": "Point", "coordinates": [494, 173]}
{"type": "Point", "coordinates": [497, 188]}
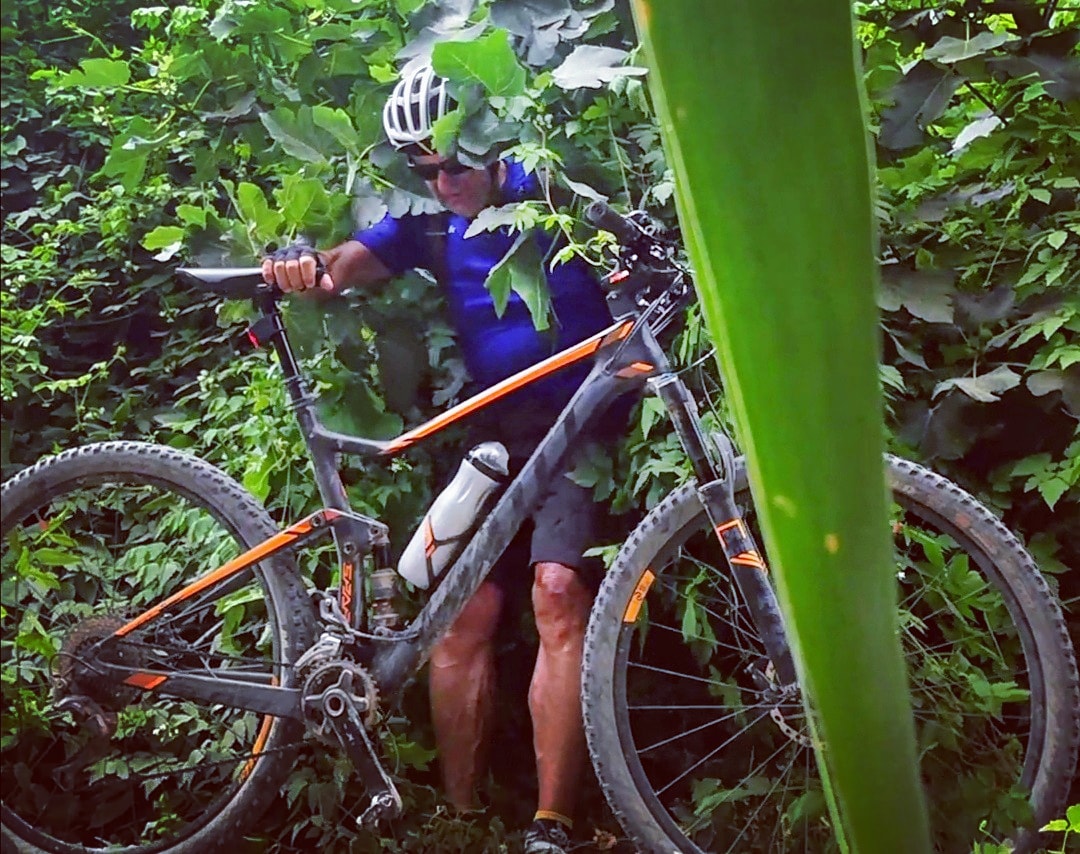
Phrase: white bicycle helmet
{"type": "Point", "coordinates": [419, 99]}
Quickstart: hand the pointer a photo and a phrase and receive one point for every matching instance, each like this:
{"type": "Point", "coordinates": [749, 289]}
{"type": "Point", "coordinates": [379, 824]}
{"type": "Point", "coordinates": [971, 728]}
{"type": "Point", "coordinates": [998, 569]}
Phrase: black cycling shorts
{"type": "Point", "coordinates": [565, 526]}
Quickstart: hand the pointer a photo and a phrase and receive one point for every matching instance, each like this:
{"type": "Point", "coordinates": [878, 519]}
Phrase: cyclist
{"type": "Point", "coordinates": [461, 674]}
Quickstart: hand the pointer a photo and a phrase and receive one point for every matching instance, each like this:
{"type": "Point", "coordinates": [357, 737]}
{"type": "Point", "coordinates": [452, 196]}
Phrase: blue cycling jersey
{"type": "Point", "coordinates": [496, 347]}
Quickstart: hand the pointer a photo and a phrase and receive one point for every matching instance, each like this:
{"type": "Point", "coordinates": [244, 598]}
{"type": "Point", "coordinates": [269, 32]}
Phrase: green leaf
{"type": "Point", "coordinates": [300, 199]}
{"type": "Point", "coordinates": [1058, 824]}
{"type": "Point", "coordinates": [130, 151]}
{"type": "Point", "coordinates": [338, 123]}
{"type": "Point", "coordinates": [54, 557]}
{"type": "Point", "coordinates": [169, 239]}
{"type": "Point", "coordinates": [256, 212]}
{"type": "Point", "coordinates": [1052, 489]}
{"type": "Point", "coordinates": [918, 99]}
{"type": "Point", "coordinates": [446, 129]}
{"type": "Point", "coordinates": [192, 215]}
{"type": "Point", "coordinates": [488, 60]}
{"type": "Point", "coordinates": [1040, 195]}
{"type": "Point", "coordinates": [652, 408]}
{"type": "Point", "coordinates": [591, 66]}
{"type": "Point", "coordinates": [1057, 238]}
{"type": "Point", "coordinates": [1035, 464]}
{"type": "Point", "coordinates": [289, 131]}
{"type": "Point", "coordinates": [97, 74]}
{"type": "Point", "coordinates": [520, 271]}
{"type": "Point", "coordinates": [928, 295]}
{"type": "Point", "coordinates": [950, 50]}
{"type": "Point", "coordinates": [985, 388]}
{"type": "Point", "coordinates": [1073, 814]}
{"type": "Point", "coordinates": [518, 216]}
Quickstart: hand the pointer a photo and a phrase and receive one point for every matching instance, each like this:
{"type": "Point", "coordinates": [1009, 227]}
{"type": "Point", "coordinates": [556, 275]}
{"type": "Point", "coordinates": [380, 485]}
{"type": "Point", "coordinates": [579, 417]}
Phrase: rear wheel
{"type": "Point", "coordinates": [698, 749]}
{"type": "Point", "coordinates": [91, 538]}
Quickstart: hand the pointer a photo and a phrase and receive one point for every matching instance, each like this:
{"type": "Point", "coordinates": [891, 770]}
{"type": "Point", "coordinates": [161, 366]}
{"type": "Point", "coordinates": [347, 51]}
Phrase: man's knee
{"type": "Point", "coordinates": [473, 630]}
{"type": "Point", "coordinates": [561, 602]}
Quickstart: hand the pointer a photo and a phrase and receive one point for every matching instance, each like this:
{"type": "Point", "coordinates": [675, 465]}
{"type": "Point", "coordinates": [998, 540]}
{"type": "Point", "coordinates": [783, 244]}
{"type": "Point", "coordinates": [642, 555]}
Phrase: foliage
{"type": "Point", "coordinates": [137, 137]}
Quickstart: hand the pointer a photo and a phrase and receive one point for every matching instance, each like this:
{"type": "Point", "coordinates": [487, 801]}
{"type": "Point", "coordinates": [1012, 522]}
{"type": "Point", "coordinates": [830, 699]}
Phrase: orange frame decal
{"type": "Point", "coordinates": [253, 555]}
{"type": "Point", "coordinates": [146, 681]}
{"type": "Point", "coordinates": [586, 348]}
{"type": "Point", "coordinates": [749, 557]}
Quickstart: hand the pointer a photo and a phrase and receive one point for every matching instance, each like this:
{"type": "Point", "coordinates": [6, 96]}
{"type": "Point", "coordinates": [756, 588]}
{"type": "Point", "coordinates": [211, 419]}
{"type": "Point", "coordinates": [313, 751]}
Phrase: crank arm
{"type": "Point", "coordinates": [341, 712]}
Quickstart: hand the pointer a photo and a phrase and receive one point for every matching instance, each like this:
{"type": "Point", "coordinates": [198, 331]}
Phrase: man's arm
{"type": "Point", "coordinates": [348, 265]}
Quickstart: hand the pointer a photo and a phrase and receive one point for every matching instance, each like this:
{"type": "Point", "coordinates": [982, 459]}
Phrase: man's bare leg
{"type": "Point", "coordinates": [561, 603]}
{"type": "Point", "coordinates": [461, 681]}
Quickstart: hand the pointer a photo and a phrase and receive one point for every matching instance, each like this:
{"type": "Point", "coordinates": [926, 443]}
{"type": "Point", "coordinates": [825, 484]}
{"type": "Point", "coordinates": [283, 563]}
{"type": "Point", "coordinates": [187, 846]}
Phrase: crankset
{"type": "Point", "coordinates": [340, 704]}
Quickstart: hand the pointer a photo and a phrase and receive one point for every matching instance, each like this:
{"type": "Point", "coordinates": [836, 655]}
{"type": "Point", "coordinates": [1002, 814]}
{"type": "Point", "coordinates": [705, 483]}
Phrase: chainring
{"type": "Point", "coordinates": [321, 675]}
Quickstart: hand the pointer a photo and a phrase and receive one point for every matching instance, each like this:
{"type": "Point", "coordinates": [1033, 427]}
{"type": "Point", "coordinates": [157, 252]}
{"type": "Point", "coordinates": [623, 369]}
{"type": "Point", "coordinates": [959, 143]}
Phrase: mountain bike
{"type": "Point", "coordinates": [163, 658]}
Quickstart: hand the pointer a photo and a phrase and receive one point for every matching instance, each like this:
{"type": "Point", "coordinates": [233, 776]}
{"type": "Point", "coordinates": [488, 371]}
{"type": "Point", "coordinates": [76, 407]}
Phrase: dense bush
{"type": "Point", "coordinates": [138, 137]}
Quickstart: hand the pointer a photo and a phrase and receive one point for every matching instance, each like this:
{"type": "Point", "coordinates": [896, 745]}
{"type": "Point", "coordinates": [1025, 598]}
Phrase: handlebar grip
{"type": "Point", "coordinates": [602, 216]}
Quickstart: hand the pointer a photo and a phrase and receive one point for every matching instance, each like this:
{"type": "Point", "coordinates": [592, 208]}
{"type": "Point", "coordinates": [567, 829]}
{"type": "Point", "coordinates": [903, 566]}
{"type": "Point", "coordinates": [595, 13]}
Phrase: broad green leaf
{"type": "Point", "coordinates": [300, 199]}
{"type": "Point", "coordinates": [918, 99]}
{"type": "Point", "coordinates": [1057, 238]}
{"type": "Point", "coordinates": [162, 236]}
{"type": "Point", "coordinates": [1052, 489]}
{"type": "Point", "coordinates": [97, 74]}
{"type": "Point", "coordinates": [256, 212]}
{"type": "Point", "coordinates": [338, 123]}
{"type": "Point", "coordinates": [520, 271]}
{"type": "Point", "coordinates": [129, 166]}
{"type": "Point", "coordinates": [927, 295]}
{"type": "Point", "coordinates": [446, 129]}
{"type": "Point", "coordinates": [192, 215]}
{"type": "Point", "coordinates": [975, 130]}
{"type": "Point", "coordinates": [293, 134]}
{"type": "Point", "coordinates": [799, 358]}
{"type": "Point", "coordinates": [591, 66]}
{"type": "Point", "coordinates": [950, 50]}
{"type": "Point", "coordinates": [130, 151]}
{"type": "Point", "coordinates": [985, 388]}
{"type": "Point", "coordinates": [489, 60]}
{"type": "Point", "coordinates": [518, 216]}
{"type": "Point", "coordinates": [54, 557]}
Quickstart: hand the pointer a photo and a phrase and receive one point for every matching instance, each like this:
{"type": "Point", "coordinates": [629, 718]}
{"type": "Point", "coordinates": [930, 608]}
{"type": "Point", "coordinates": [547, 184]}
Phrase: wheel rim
{"type": "Point", "coordinates": [105, 550]}
{"type": "Point", "coordinates": [733, 769]}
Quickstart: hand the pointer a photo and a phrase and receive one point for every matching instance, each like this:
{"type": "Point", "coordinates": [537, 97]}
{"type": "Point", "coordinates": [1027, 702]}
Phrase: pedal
{"type": "Point", "coordinates": [345, 719]}
{"type": "Point", "coordinates": [384, 806]}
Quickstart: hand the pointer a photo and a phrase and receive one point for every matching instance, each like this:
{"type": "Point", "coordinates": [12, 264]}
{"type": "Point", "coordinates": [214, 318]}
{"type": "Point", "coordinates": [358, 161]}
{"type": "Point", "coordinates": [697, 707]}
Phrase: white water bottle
{"type": "Point", "coordinates": [448, 523]}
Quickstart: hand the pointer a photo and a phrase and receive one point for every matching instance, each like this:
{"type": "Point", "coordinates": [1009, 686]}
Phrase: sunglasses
{"type": "Point", "coordinates": [430, 171]}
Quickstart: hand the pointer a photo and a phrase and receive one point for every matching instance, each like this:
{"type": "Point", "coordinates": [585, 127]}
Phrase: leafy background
{"type": "Point", "coordinates": [136, 137]}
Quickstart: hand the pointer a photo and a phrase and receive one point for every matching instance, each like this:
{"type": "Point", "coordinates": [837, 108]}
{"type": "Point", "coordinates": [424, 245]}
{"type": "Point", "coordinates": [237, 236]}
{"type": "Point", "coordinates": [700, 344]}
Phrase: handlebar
{"type": "Point", "coordinates": [602, 216]}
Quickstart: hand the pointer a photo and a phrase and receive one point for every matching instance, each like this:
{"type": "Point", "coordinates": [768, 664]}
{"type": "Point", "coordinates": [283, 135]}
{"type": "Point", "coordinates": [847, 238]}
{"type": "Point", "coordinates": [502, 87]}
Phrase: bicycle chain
{"type": "Point", "coordinates": [65, 681]}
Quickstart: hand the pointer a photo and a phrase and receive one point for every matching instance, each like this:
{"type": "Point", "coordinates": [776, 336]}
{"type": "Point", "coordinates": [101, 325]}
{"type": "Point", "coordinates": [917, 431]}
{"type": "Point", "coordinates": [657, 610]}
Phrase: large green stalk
{"type": "Point", "coordinates": [762, 120]}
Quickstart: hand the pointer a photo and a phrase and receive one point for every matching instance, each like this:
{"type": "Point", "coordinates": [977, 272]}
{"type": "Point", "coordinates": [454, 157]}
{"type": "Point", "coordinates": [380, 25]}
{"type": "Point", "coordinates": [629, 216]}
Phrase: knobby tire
{"type": "Point", "coordinates": [97, 534]}
{"type": "Point", "coordinates": [675, 683]}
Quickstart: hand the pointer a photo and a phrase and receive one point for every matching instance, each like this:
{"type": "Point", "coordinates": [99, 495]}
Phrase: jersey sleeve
{"type": "Point", "coordinates": [399, 242]}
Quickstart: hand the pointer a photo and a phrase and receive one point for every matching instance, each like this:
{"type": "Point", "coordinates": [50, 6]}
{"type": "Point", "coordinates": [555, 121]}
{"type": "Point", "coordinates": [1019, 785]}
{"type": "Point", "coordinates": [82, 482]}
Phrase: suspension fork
{"type": "Point", "coordinates": [717, 493]}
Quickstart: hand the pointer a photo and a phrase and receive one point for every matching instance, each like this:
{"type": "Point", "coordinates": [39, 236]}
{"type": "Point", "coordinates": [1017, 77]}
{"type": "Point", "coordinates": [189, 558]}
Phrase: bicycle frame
{"type": "Point", "coordinates": [626, 356]}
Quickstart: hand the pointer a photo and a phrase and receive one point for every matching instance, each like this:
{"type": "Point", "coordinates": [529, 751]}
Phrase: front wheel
{"type": "Point", "coordinates": [90, 539]}
{"type": "Point", "coordinates": [698, 748]}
